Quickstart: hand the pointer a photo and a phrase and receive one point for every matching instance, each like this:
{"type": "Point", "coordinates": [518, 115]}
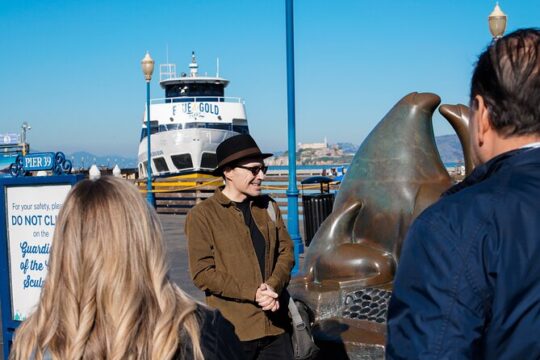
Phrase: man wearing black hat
{"type": "Point", "coordinates": [239, 256]}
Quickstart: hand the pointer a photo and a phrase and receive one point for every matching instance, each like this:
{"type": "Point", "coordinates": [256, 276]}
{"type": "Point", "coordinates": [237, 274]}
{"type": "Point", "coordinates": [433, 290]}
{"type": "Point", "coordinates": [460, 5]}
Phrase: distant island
{"type": "Point", "coordinates": [324, 153]}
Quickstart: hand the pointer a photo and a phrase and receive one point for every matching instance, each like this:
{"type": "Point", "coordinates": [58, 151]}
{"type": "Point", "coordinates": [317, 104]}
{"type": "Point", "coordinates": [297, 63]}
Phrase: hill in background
{"type": "Point", "coordinates": [448, 145]}
{"type": "Point", "coordinates": [449, 148]}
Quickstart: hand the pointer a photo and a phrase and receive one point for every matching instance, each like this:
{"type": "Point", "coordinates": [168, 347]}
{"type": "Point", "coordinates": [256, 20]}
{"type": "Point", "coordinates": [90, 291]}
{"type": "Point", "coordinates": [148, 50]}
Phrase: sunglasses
{"type": "Point", "coordinates": [255, 169]}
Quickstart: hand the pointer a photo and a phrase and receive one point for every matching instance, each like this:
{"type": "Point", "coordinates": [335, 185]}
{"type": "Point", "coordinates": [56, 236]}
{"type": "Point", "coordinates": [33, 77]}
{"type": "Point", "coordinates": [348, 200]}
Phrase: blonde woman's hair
{"type": "Point", "coordinates": [107, 294]}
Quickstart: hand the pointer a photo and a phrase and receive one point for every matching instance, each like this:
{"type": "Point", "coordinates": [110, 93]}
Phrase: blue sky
{"type": "Point", "coordinates": [72, 68]}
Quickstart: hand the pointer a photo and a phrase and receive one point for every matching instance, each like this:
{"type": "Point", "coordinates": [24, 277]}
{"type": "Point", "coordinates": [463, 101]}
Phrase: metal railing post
{"type": "Point", "coordinates": [292, 191]}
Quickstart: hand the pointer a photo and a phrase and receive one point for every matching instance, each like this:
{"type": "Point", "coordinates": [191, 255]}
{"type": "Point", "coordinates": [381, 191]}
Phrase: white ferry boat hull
{"type": "Point", "coordinates": [185, 151]}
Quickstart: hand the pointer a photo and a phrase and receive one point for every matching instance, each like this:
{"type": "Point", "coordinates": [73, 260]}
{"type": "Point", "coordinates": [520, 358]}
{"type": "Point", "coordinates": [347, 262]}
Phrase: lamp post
{"type": "Point", "coordinates": [292, 191]}
{"type": "Point", "coordinates": [497, 22]}
{"type": "Point", "coordinates": [25, 127]}
{"type": "Point", "coordinates": [148, 68]}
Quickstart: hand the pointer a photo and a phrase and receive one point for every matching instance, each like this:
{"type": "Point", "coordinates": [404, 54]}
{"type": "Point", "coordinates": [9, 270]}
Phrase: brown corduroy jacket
{"type": "Point", "coordinates": [224, 265]}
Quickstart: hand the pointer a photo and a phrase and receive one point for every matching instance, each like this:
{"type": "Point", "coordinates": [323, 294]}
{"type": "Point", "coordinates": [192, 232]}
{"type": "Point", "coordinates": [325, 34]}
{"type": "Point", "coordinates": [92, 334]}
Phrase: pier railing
{"type": "Point", "coordinates": [177, 195]}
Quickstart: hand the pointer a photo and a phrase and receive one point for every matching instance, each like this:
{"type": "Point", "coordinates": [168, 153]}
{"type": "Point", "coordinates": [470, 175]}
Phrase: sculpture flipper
{"type": "Point", "coordinates": [458, 116]}
{"type": "Point", "coordinates": [338, 228]}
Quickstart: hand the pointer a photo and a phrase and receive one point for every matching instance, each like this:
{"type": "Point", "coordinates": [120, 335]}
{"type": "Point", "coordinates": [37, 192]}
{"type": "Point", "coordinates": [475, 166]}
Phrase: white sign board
{"type": "Point", "coordinates": [31, 217]}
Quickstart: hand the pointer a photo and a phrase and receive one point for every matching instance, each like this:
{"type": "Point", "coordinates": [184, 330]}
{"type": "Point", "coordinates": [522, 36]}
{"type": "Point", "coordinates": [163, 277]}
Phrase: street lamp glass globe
{"type": "Point", "coordinates": [497, 22]}
{"type": "Point", "coordinates": [147, 65]}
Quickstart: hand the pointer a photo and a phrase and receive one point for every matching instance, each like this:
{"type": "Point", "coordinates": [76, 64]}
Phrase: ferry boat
{"type": "Point", "coordinates": [10, 147]}
{"type": "Point", "coordinates": [188, 124]}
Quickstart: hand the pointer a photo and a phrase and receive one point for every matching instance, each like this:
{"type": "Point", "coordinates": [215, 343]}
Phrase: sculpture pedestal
{"type": "Point", "coordinates": [349, 318]}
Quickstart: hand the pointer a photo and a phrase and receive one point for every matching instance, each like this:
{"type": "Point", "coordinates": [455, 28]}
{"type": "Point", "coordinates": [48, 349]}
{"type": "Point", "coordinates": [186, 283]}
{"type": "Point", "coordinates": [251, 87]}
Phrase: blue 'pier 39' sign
{"type": "Point", "coordinates": [56, 162]}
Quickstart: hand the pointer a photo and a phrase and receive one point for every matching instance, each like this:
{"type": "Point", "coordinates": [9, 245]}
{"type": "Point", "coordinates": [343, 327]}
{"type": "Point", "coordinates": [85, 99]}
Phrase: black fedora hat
{"type": "Point", "coordinates": [237, 148]}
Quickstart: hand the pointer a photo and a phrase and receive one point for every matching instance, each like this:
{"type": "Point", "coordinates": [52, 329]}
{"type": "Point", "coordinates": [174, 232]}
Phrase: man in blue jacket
{"type": "Point", "coordinates": [468, 280]}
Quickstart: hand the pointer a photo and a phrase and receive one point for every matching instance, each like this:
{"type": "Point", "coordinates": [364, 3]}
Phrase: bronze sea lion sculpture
{"type": "Point", "coordinates": [396, 173]}
{"type": "Point", "coordinates": [349, 267]}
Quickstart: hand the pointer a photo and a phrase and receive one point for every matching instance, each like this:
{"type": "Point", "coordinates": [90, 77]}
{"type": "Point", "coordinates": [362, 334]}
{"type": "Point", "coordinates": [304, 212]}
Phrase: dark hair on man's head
{"type": "Point", "coordinates": [507, 76]}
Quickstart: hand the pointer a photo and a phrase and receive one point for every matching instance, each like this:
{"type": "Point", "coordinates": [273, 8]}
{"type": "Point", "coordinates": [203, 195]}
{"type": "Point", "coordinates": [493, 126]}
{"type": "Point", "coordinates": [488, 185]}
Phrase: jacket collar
{"type": "Point", "coordinates": [482, 172]}
{"type": "Point", "coordinates": [225, 201]}
{"type": "Point", "coordinates": [222, 199]}
{"type": "Point", "coordinates": [259, 201]}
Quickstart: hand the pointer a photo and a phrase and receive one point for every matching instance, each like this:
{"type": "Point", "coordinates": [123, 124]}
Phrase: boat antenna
{"type": "Point", "coordinates": [217, 66]}
{"type": "Point", "coordinates": [167, 51]}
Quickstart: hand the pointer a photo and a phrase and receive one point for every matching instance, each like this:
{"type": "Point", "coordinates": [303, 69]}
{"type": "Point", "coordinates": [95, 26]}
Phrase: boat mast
{"type": "Point", "coordinates": [193, 67]}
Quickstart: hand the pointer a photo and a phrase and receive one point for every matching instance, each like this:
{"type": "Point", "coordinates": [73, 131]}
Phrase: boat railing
{"type": "Point", "coordinates": [12, 148]}
{"type": "Point", "coordinates": [178, 194]}
{"type": "Point", "coordinates": [196, 99]}
{"type": "Point", "coordinates": [167, 72]}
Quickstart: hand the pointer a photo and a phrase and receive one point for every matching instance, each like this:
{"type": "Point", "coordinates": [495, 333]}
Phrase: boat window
{"type": "Point", "coordinates": [195, 125]}
{"type": "Point", "coordinates": [219, 126]}
{"type": "Point", "coordinates": [154, 128]}
{"type": "Point", "coordinates": [144, 164]}
{"type": "Point", "coordinates": [205, 125]}
{"type": "Point", "coordinates": [174, 126]}
{"type": "Point", "coordinates": [182, 161]}
{"type": "Point", "coordinates": [141, 170]}
{"type": "Point", "coordinates": [161, 164]}
{"type": "Point", "coordinates": [194, 89]}
{"type": "Point", "coordinates": [242, 129]}
{"type": "Point", "coordinates": [180, 99]}
{"type": "Point", "coordinates": [208, 160]}
{"type": "Point", "coordinates": [240, 126]}
{"type": "Point", "coordinates": [169, 127]}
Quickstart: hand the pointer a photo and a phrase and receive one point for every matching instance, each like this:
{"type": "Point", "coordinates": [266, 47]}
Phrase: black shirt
{"type": "Point", "coordinates": [259, 244]}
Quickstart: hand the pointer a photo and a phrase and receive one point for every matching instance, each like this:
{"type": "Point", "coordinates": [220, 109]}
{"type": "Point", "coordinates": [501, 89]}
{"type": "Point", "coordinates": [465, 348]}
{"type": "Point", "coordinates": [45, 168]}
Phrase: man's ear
{"type": "Point", "coordinates": [226, 171]}
{"type": "Point", "coordinates": [481, 117]}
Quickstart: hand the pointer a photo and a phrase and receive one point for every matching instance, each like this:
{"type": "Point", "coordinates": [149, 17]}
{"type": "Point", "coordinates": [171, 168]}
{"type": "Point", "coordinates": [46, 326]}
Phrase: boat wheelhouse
{"type": "Point", "coordinates": [188, 124]}
{"type": "Point", "coordinates": [11, 146]}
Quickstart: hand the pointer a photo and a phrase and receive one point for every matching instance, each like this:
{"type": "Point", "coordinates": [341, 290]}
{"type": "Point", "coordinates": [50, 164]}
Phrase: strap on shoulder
{"type": "Point", "coordinates": [271, 211]}
{"type": "Point", "coordinates": [295, 314]}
